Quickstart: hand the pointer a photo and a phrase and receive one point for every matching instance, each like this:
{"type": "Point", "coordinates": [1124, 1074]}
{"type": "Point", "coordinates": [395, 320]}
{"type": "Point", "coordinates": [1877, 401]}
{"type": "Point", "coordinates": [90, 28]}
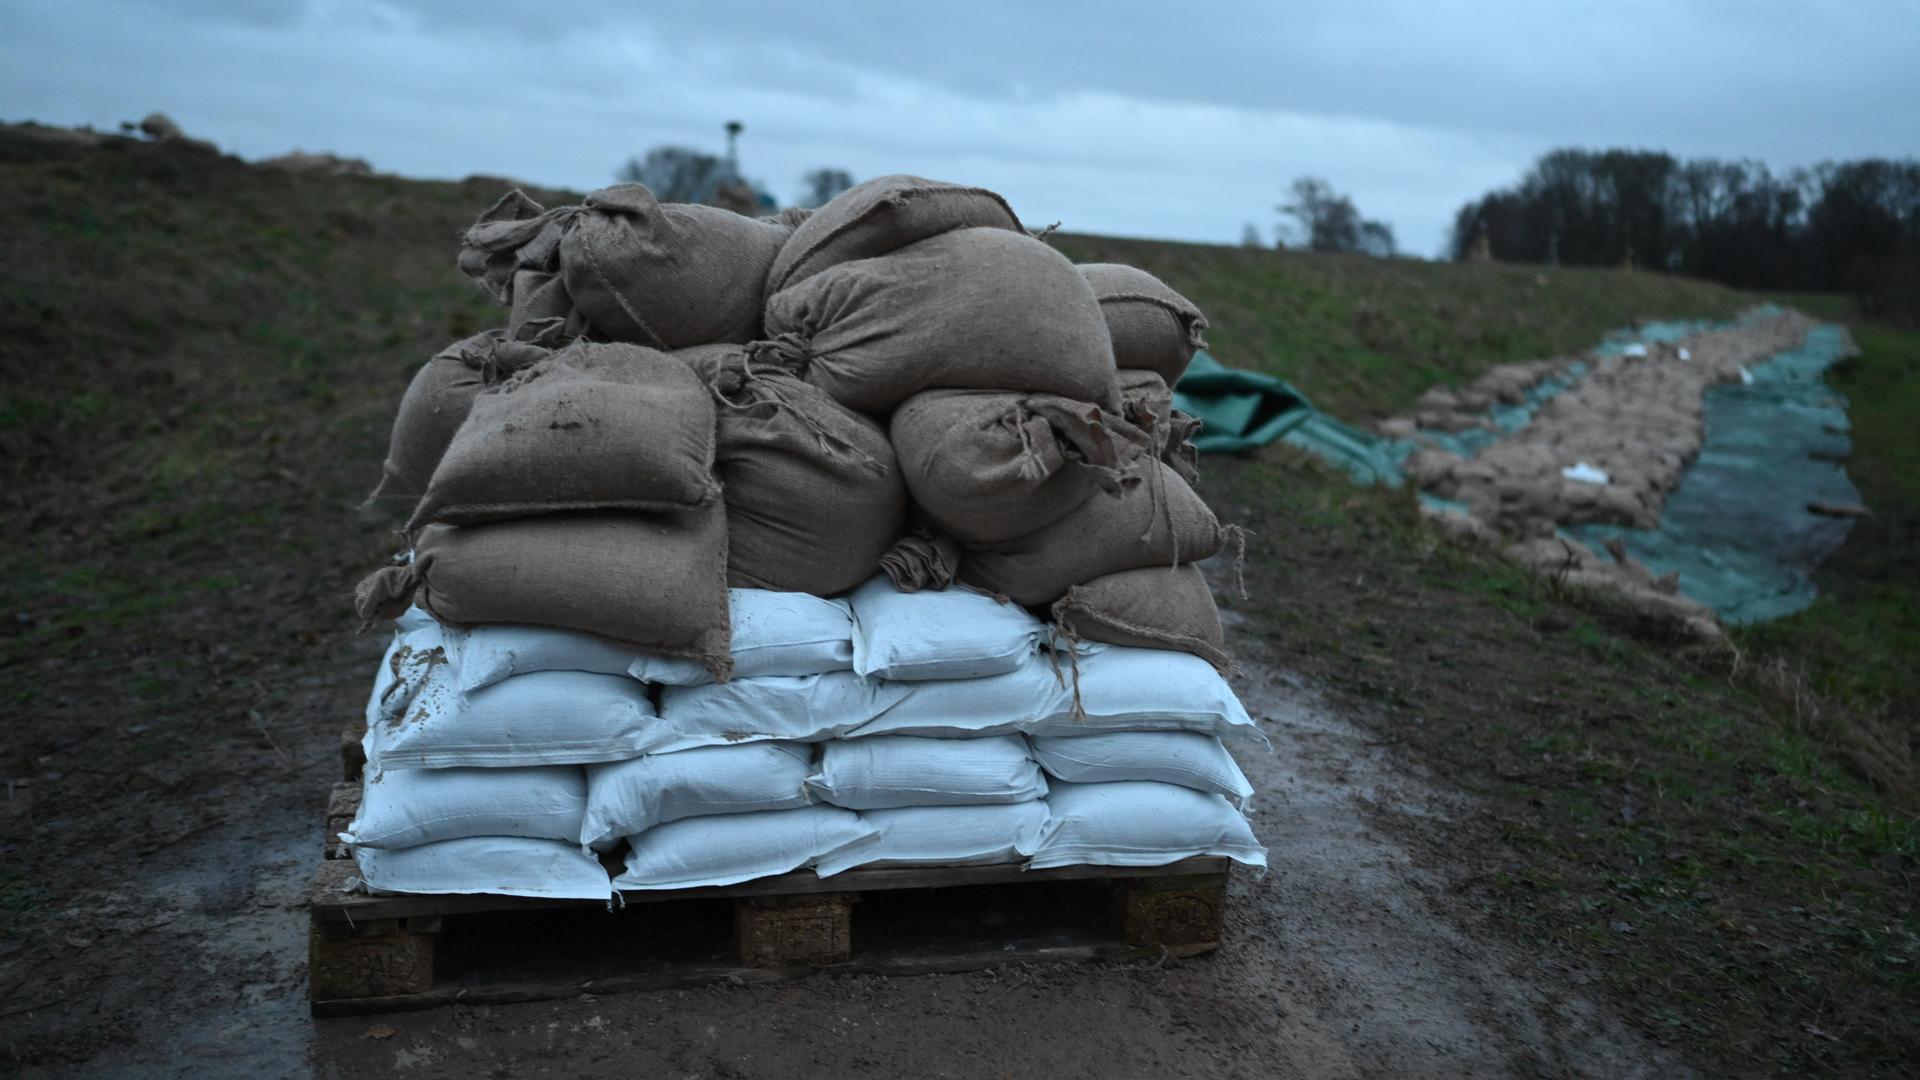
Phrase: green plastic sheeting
{"type": "Point", "coordinates": [1243, 410]}
{"type": "Point", "coordinates": [1737, 529]}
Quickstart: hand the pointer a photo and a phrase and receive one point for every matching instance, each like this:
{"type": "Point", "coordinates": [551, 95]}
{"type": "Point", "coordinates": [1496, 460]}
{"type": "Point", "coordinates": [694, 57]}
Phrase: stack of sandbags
{"type": "Point", "coordinates": [884, 729]}
{"type": "Point", "coordinates": [935, 744]}
{"type": "Point", "coordinates": [484, 791]}
{"type": "Point", "coordinates": [754, 523]}
{"type": "Point", "coordinates": [576, 492]}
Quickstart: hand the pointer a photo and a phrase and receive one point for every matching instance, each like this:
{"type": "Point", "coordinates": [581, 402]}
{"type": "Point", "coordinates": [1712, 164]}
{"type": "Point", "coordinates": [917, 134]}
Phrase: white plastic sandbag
{"type": "Point", "coordinates": [947, 836]}
{"type": "Point", "coordinates": [906, 770]}
{"type": "Point", "coordinates": [1140, 823]}
{"type": "Point", "coordinates": [1128, 689]}
{"type": "Point", "coordinates": [627, 797]}
{"type": "Point", "coordinates": [415, 652]}
{"type": "Point", "coordinates": [949, 634]}
{"type": "Point", "coordinates": [1008, 703]}
{"type": "Point", "coordinates": [803, 708]}
{"type": "Point", "coordinates": [729, 848]}
{"type": "Point", "coordinates": [414, 618]}
{"type": "Point", "coordinates": [546, 718]}
{"type": "Point", "coordinates": [1188, 758]}
{"type": "Point", "coordinates": [774, 633]}
{"type": "Point", "coordinates": [405, 807]}
{"type": "Point", "coordinates": [505, 865]}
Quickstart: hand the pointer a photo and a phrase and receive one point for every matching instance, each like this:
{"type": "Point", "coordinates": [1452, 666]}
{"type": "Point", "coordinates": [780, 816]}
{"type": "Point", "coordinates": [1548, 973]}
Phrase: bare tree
{"type": "Point", "coordinates": [1250, 237]}
{"type": "Point", "coordinates": [1325, 220]}
{"type": "Point", "coordinates": [673, 173]}
{"type": "Point", "coordinates": [823, 185]}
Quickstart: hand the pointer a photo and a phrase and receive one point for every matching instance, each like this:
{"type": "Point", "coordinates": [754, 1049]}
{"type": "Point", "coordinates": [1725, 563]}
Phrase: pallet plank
{"type": "Point", "coordinates": [331, 902]}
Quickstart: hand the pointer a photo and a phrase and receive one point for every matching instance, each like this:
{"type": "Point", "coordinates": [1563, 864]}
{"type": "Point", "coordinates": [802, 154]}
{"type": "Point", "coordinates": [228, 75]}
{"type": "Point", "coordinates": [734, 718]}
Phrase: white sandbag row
{"type": "Point", "coordinates": [418, 717]}
{"type": "Point", "coordinates": [1131, 823]}
{"type": "Point", "coordinates": [1134, 823]}
{"type": "Point", "coordinates": [875, 630]}
{"type": "Point", "coordinates": [774, 633]}
{"type": "Point", "coordinates": [1118, 689]}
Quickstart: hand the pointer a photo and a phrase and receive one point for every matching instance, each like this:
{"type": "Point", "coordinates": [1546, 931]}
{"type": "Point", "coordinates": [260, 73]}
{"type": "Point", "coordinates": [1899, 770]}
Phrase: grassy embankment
{"type": "Point", "coordinates": [200, 360]}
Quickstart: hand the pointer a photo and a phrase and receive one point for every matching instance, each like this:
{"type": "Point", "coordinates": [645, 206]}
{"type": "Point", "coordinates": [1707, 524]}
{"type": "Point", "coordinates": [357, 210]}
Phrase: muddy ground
{"type": "Point", "coordinates": [1354, 957]}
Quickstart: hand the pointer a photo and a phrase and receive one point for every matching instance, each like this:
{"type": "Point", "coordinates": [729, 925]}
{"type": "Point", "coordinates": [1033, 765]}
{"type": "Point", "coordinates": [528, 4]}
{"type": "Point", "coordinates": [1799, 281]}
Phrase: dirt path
{"type": "Point", "coordinates": [1350, 959]}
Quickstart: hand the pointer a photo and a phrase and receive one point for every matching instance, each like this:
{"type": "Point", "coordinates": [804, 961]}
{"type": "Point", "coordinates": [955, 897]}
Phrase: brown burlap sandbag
{"type": "Point", "coordinates": [922, 560]}
{"type": "Point", "coordinates": [665, 276]}
{"type": "Point", "coordinates": [1153, 327]}
{"type": "Point", "coordinates": [436, 404]}
{"type": "Point", "coordinates": [593, 427]}
{"type": "Point", "coordinates": [981, 309]}
{"type": "Point", "coordinates": [985, 467]}
{"type": "Point", "coordinates": [1154, 607]}
{"type": "Point", "coordinates": [814, 496]}
{"type": "Point", "coordinates": [542, 310]}
{"type": "Point", "coordinates": [880, 216]}
{"type": "Point", "coordinates": [512, 235]}
{"type": "Point", "coordinates": [1158, 523]}
{"type": "Point", "coordinates": [657, 581]}
{"type": "Point", "coordinates": [1146, 401]}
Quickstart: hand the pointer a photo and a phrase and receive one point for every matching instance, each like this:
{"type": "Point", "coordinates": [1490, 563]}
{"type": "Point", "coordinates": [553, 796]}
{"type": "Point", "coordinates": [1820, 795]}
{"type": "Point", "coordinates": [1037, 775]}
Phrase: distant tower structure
{"type": "Point", "coordinates": [730, 189]}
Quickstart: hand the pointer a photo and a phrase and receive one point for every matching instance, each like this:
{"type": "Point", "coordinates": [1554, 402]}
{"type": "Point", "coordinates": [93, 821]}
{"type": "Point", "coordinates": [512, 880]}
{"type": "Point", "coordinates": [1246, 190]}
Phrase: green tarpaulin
{"type": "Point", "coordinates": [1243, 410]}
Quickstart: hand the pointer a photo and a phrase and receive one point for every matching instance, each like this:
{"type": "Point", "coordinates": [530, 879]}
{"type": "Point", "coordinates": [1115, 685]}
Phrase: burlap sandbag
{"type": "Point", "coordinates": [514, 234]}
{"type": "Point", "coordinates": [922, 559]}
{"type": "Point", "coordinates": [666, 276]}
{"type": "Point", "coordinates": [593, 427]}
{"type": "Point", "coordinates": [657, 581]}
{"type": "Point", "coordinates": [985, 467]}
{"type": "Point", "coordinates": [881, 216]}
{"type": "Point", "coordinates": [813, 493]}
{"type": "Point", "coordinates": [1154, 607]}
{"type": "Point", "coordinates": [436, 404]}
{"type": "Point", "coordinates": [1158, 523]}
{"type": "Point", "coordinates": [542, 311]}
{"type": "Point", "coordinates": [1146, 401]}
{"type": "Point", "coordinates": [981, 309]}
{"type": "Point", "coordinates": [1152, 326]}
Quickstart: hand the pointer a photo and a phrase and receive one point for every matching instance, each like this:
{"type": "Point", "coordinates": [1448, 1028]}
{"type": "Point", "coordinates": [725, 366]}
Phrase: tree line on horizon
{"type": "Point", "coordinates": [1851, 226]}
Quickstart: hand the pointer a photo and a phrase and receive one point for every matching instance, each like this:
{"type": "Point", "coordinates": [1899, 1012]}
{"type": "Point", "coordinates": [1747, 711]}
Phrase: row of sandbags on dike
{"type": "Point", "coordinates": [704, 441]}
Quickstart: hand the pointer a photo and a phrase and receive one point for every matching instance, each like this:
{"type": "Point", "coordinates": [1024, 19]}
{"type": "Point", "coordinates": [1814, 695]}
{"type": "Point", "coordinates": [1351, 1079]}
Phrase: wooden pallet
{"type": "Point", "coordinates": [390, 953]}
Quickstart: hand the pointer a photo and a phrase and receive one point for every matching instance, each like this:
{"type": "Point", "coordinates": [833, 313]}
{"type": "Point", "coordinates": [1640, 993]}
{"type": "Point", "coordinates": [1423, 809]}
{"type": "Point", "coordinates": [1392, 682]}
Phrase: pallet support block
{"type": "Point", "coordinates": [378, 958]}
{"type": "Point", "coordinates": [784, 931]}
{"type": "Point", "coordinates": [353, 755]}
{"type": "Point", "coordinates": [342, 806]}
{"type": "Point", "coordinates": [1176, 912]}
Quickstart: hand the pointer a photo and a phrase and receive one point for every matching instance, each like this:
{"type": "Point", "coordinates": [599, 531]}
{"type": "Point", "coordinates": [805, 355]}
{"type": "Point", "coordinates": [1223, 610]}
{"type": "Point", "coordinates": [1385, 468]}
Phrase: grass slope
{"type": "Point", "coordinates": [1364, 337]}
{"type": "Point", "coordinates": [200, 360]}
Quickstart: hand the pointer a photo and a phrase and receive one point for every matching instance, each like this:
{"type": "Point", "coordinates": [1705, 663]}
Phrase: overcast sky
{"type": "Point", "coordinates": [1171, 119]}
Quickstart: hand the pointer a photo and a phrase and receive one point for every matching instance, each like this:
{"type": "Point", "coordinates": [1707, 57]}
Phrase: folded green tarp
{"type": "Point", "coordinates": [1243, 410]}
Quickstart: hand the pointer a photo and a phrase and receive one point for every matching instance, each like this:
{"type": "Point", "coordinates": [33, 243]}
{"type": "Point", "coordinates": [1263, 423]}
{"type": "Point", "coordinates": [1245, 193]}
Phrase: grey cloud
{"type": "Point", "coordinates": [1154, 119]}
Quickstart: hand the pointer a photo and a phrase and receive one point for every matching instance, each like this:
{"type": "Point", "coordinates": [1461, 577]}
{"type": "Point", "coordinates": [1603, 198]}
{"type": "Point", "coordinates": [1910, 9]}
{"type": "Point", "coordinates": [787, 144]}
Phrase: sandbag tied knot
{"type": "Point", "coordinates": [497, 359]}
{"type": "Point", "coordinates": [921, 560]}
{"type": "Point", "coordinates": [1237, 535]}
{"type": "Point", "coordinates": [514, 234]}
{"type": "Point", "coordinates": [384, 594]}
{"type": "Point", "coordinates": [790, 352]}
